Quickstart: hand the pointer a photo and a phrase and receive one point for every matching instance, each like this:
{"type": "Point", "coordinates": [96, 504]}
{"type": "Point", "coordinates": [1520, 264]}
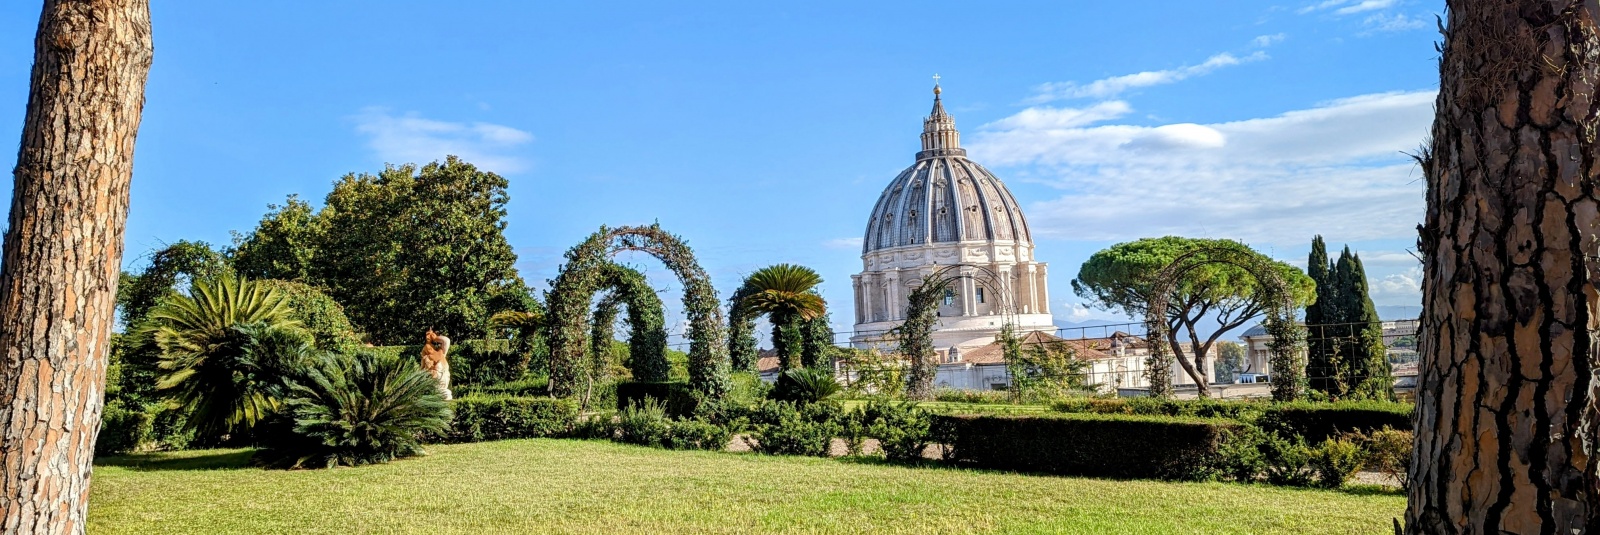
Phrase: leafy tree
{"type": "Point", "coordinates": [321, 316]}
{"type": "Point", "coordinates": [283, 246]}
{"type": "Point", "coordinates": [786, 294]}
{"type": "Point", "coordinates": [1230, 360]}
{"type": "Point", "coordinates": [404, 250]}
{"type": "Point", "coordinates": [227, 348]}
{"type": "Point", "coordinates": [1041, 370]}
{"type": "Point", "coordinates": [1122, 277]}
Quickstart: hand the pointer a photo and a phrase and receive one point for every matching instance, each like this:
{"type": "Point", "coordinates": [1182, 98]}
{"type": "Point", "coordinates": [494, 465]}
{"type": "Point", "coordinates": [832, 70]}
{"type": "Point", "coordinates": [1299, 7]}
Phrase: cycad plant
{"type": "Point", "coordinates": [786, 293]}
{"type": "Point", "coordinates": [805, 386]}
{"type": "Point", "coordinates": [365, 409]}
{"type": "Point", "coordinates": [226, 349]}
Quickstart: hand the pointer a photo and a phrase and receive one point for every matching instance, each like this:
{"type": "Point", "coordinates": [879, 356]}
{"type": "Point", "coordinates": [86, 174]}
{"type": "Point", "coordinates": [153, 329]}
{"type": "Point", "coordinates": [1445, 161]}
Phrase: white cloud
{"type": "Point", "coordinates": [1334, 169]}
{"type": "Point", "coordinates": [1407, 283]}
{"type": "Point", "coordinates": [1268, 40]}
{"type": "Point", "coordinates": [843, 243]}
{"type": "Point", "coordinates": [1346, 7]}
{"type": "Point", "coordinates": [1113, 86]}
{"type": "Point", "coordinates": [1384, 22]}
{"type": "Point", "coordinates": [410, 138]}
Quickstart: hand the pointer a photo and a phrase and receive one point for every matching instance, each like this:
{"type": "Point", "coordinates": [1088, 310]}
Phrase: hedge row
{"type": "Point", "coordinates": [481, 418]}
{"type": "Point", "coordinates": [1198, 408]}
{"type": "Point", "coordinates": [1317, 422]}
{"type": "Point", "coordinates": [472, 362]}
{"type": "Point", "coordinates": [675, 396]}
{"type": "Point", "coordinates": [1088, 445]}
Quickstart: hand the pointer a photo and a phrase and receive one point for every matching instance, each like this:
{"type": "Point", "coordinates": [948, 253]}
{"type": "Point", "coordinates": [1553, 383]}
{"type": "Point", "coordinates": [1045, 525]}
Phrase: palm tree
{"type": "Point", "coordinates": [786, 293]}
{"type": "Point", "coordinates": [366, 409]}
{"type": "Point", "coordinates": [228, 349]}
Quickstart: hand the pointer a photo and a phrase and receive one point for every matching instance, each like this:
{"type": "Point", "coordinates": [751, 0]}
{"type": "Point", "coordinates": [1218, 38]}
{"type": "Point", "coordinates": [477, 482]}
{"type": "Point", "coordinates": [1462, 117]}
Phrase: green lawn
{"type": "Point", "coordinates": [565, 486]}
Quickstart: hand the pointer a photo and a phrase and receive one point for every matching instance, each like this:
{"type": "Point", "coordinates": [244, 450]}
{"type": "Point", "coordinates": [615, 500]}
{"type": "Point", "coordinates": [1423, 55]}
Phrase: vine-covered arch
{"type": "Point", "coordinates": [581, 277]}
{"type": "Point", "coordinates": [1288, 368]}
{"type": "Point", "coordinates": [647, 339]}
{"type": "Point", "coordinates": [742, 347]}
{"type": "Point", "coordinates": [915, 333]}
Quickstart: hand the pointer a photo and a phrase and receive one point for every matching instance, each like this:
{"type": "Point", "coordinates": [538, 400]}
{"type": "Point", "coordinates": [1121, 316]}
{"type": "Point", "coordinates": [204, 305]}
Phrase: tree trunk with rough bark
{"type": "Point", "coordinates": [1506, 421]}
{"type": "Point", "coordinates": [63, 252]}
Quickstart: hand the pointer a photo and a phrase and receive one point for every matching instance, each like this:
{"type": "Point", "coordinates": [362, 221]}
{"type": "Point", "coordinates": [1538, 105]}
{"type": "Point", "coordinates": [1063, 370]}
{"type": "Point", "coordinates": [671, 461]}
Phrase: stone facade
{"type": "Point", "coordinates": [947, 210]}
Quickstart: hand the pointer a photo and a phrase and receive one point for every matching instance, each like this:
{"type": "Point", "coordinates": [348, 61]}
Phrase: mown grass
{"type": "Point", "coordinates": [564, 486]}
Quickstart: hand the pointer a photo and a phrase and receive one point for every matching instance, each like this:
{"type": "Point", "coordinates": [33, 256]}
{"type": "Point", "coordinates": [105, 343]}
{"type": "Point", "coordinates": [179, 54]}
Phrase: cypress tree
{"type": "Point", "coordinates": [1319, 314]}
{"type": "Point", "coordinates": [1368, 365]}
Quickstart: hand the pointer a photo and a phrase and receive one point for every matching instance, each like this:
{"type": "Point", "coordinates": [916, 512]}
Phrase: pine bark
{"type": "Point", "coordinates": [1505, 421]}
{"type": "Point", "coordinates": [62, 253]}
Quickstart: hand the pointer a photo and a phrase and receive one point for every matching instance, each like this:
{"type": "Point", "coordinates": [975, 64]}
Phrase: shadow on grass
{"type": "Point", "coordinates": [157, 462]}
{"type": "Point", "coordinates": [1371, 490]}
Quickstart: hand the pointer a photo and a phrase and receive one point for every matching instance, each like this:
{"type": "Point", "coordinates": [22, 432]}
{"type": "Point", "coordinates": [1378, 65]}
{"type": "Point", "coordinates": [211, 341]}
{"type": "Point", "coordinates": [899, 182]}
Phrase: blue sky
{"type": "Point", "coordinates": [764, 132]}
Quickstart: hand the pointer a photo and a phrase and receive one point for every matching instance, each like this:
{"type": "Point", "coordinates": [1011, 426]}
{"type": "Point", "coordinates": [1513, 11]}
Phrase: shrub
{"type": "Point", "coordinates": [123, 430]}
{"type": "Point", "coordinates": [362, 410]}
{"type": "Point", "coordinates": [902, 429]}
{"type": "Point", "coordinates": [853, 429]}
{"type": "Point", "coordinates": [1388, 450]}
{"type": "Point", "coordinates": [1335, 461]}
{"type": "Point", "coordinates": [1241, 456]}
{"type": "Point", "coordinates": [1287, 460]}
{"type": "Point", "coordinates": [645, 424]}
{"type": "Point", "coordinates": [595, 427]}
{"type": "Point", "coordinates": [675, 397]}
{"type": "Point", "coordinates": [481, 418]}
{"type": "Point", "coordinates": [530, 387]}
{"type": "Point", "coordinates": [698, 434]}
{"type": "Point", "coordinates": [949, 395]}
{"type": "Point", "coordinates": [1199, 408]}
{"type": "Point", "coordinates": [783, 429]}
{"type": "Point", "coordinates": [805, 386]}
{"type": "Point", "coordinates": [485, 362]}
{"type": "Point", "coordinates": [1317, 422]}
{"type": "Point", "coordinates": [1089, 445]}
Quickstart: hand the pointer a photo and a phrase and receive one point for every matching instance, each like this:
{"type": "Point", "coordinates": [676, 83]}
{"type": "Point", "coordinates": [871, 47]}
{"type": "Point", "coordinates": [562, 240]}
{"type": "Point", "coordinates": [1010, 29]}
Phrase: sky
{"type": "Point", "coordinates": [764, 132]}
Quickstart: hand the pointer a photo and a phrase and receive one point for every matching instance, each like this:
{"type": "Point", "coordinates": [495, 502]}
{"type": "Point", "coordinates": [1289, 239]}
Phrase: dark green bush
{"type": "Point", "coordinates": [675, 397]}
{"type": "Point", "coordinates": [481, 418]}
{"type": "Point", "coordinates": [595, 427]}
{"type": "Point", "coordinates": [1089, 445]}
{"type": "Point", "coordinates": [528, 387]}
{"type": "Point", "coordinates": [1335, 460]}
{"type": "Point", "coordinates": [473, 362]}
{"type": "Point", "coordinates": [781, 428]}
{"type": "Point", "coordinates": [1288, 460]}
{"type": "Point", "coordinates": [805, 386]}
{"type": "Point", "coordinates": [902, 429]}
{"type": "Point", "coordinates": [1317, 422]}
{"type": "Point", "coordinates": [123, 430]}
{"type": "Point", "coordinates": [363, 409]}
{"type": "Point", "coordinates": [1240, 457]}
{"type": "Point", "coordinates": [1197, 408]}
{"type": "Point", "coordinates": [645, 424]}
{"type": "Point", "coordinates": [1388, 451]}
{"type": "Point", "coordinates": [949, 395]}
{"type": "Point", "coordinates": [698, 434]}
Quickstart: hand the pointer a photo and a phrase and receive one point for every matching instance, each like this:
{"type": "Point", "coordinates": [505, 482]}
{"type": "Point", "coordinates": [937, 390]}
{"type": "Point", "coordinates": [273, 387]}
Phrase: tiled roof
{"type": "Point", "coordinates": [994, 353]}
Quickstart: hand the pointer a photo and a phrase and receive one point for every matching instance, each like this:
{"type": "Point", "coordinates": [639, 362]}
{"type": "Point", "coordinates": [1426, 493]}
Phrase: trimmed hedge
{"type": "Point", "coordinates": [674, 396]}
{"type": "Point", "coordinates": [473, 362]}
{"type": "Point", "coordinates": [1088, 445]}
{"type": "Point", "coordinates": [1320, 421]}
{"type": "Point", "coordinates": [123, 430]}
{"type": "Point", "coordinates": [481, 418]}
{"type": "Point", "coordinates": [1197, 408]}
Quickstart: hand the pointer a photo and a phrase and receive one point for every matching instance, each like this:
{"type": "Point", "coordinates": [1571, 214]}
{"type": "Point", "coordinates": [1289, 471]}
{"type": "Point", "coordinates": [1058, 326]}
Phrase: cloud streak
{"type": "Point", "coordinates": [410, 138]}
{"type": "Point", "coordinates": [1336, 169]}
{"type": "Point", "coordinates": [1110, 87]}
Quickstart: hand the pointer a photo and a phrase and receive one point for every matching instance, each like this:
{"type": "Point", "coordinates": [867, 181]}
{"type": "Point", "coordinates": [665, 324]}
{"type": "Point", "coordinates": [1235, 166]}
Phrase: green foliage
{"type": "Point", "coordinates": [816, 344]}
{"type": "Point", "coordinates": [902, 429]}
{"type": "Point", "coordinates": [1387, 450]}
{"type": "Point", "coordinates": [1335, 461]}
{"type": "Point", "coordinates": [227, 349]}
{"type": "Point", "coordinates": [1244, 411]}
{"type": "Point", "coordinates": [404, 250]}
{"type": "Point", "coordinates": [481, 418]}
{"type": "Point", "coordinates": [1041, 371]}
{"type": "Point", "coordinates": [742, 350]}
{"type": "Point", "coordinates": [1089, 444]}
{"type": "Point", "coordinates": [915, 336]}
{"type": "Point", "coordinates": [675, 397]}
{"type": "Point", "coordinates": [1241, 456]}
{"type": "Point", "coordinates": [1230, 360]}
{"type": "Point", "coordinates": [1321, 421]}
{"type": "Point", "coordinates": [318, 314]}
{"type": "Point", "coordinates": [698, 434]}
{"type": "Point", "coordinates": [787, 294]}
{"type": "Point", "coordinates": [365, 409]}
{"type": "Point", "coordinates": [875, 372]}
{"type": "Point", "coordinates": [644, 424]}
{"type": "Point", "coordinates": [782, 428]}
{"type": "Point", "coordinates": [1346, 356]}
{"type": "Point", "coordinates": [647, 331]}
{"type": "Point", "coordinates": [123, 429]}
{"type": "Point", "coordinates": [529, 387]}
{"type": "Point", "coordinates": [579, 279]}
{"type": "Point", "coordinates": [1288, 460]}
{"type": "Point", "coordinates": [804, 386]}
{"type": "Point", "coordinates": [1250, 453]}
{"type": "Point", "coordinates": [1125, 277]}
{"type": "Point", "coordinates": [171, 268]}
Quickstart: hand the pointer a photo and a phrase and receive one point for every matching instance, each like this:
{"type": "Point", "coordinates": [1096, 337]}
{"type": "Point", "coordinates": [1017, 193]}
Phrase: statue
{"type": "Point", "coordinates": [434, 348]}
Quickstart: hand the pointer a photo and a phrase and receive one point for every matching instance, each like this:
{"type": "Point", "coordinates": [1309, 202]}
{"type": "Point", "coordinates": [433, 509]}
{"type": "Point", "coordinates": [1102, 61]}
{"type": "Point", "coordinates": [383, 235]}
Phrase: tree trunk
{"type": "Point", "coordinates": [63, 252]}
{"type": "Point", "coordinates": [1505, 421]}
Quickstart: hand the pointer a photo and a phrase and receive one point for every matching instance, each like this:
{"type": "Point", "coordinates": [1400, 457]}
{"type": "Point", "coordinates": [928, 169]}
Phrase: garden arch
{"type": "Point", "coordinates": [1288, 368]}
{"type": "Point", "coordinates": [742, 349]}
{"type": "Point", "coordinates": [647, 339]}
{"type": "Point", "coordinates": [582, 277]}
{"type": "Point", "coordinates": [915, 334]}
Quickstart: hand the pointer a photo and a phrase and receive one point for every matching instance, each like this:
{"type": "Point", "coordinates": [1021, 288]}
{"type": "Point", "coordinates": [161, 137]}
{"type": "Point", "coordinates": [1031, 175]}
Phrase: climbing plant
{"type": "Point", "coordinates": [647, 331]}
{"type": "Point", "coordinates": [1277, 298]}
{"type": "Point", "coordinates": [915, 334]}
{"type": "Point", "coordinates": [584, 274]}
{"type": "Point", "coordinates": [742, 350]}
{"type": "Point", "coordinates": [786, 294]}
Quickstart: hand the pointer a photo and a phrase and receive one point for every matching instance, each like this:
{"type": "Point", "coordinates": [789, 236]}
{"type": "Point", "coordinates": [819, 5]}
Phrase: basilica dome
{"type": "Point", "coordinates": [944, 197]}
